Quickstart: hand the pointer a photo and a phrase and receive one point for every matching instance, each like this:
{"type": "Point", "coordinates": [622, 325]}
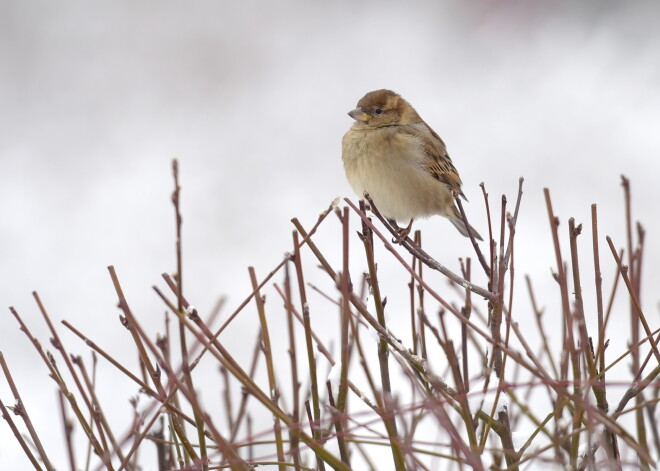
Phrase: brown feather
{"type": "Point", "coordinates": [438, 163]}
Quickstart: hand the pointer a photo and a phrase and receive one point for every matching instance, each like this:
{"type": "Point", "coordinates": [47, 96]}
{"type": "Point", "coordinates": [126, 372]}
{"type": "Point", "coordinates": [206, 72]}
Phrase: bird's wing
{"type": "Point", "coordinates": [437, 163]}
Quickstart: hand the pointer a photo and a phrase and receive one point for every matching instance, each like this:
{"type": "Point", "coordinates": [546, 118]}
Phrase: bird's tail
{"type": "Point", "coordinates": [457, 221]}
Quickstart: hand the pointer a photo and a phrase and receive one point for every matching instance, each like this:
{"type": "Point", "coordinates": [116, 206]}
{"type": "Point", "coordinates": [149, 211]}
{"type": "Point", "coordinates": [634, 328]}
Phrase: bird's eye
{"type": "Point", "coordinates": [378, 111]}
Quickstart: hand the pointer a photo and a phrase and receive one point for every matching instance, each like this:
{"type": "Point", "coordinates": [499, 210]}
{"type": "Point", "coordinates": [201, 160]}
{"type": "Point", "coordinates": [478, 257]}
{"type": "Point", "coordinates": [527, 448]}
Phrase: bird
{"type": "Point", "coordinates": [391, 154]}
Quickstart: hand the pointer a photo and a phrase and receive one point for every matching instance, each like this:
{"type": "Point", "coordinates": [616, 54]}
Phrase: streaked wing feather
{"type": "Point", "coordinates": [438, 163]}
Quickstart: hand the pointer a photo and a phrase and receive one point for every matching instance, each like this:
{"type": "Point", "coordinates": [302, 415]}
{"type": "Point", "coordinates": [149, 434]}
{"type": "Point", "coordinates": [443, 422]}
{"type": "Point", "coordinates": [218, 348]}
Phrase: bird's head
{"type": "Point", "coordinates": [383, 108]}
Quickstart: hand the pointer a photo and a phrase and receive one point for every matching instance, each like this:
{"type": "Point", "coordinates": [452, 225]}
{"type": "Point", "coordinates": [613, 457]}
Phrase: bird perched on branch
{"type": "Point", "coordinates": [394, 156]}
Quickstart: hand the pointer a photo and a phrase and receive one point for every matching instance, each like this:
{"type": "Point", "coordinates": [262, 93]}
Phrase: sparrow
{"type": "Point", "coordinates": [394, 156]}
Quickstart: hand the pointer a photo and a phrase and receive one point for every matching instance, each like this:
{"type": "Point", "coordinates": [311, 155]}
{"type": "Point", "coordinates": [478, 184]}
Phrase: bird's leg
{"type": "Point", "coordinates": [402, 231]}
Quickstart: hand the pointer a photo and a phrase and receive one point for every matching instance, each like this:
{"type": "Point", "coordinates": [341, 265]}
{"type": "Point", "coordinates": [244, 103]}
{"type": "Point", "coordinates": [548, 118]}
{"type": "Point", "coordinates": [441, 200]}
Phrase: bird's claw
{"type": "Point", "coordinates": [403, 233]}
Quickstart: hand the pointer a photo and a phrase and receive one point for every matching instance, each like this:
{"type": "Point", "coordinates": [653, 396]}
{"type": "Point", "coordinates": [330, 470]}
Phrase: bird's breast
{"type": "Point", "coordinates": [389, 166]}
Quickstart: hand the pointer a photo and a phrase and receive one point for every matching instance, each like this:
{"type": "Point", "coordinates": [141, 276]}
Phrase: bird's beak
{"type": "Point", "coordinates": [358, 115]}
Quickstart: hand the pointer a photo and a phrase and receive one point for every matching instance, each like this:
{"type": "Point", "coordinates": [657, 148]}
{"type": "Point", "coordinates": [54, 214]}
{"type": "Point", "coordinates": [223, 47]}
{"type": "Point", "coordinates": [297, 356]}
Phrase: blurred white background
{"type": "Point", "coordinates": [97, 97]}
